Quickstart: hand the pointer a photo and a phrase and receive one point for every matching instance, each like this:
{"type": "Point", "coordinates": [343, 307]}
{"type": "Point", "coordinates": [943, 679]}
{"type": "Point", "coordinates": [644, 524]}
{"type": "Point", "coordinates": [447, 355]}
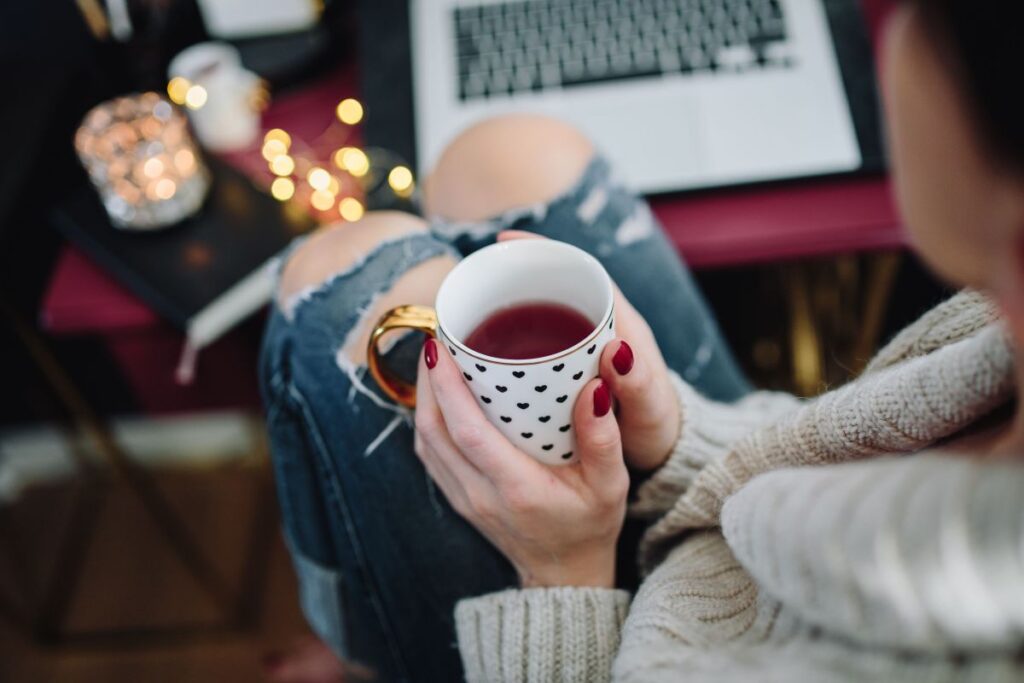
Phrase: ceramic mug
{"type": "Point", "coordinates": [529, 400]}
{"type": "Point", "coordinates": [229, 120]}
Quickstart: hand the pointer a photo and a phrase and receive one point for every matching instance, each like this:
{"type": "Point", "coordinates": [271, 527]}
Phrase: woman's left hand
{"type": "Point", "coordinates": [558, 526]}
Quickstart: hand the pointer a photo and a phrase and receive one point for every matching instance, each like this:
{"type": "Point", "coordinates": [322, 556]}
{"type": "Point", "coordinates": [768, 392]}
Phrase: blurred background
{"type": "Point", "coordinates": [156, 155]}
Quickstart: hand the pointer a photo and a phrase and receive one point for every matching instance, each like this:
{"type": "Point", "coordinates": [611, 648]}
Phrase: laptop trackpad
{"type": "Point", "coordinates": [655, 145]}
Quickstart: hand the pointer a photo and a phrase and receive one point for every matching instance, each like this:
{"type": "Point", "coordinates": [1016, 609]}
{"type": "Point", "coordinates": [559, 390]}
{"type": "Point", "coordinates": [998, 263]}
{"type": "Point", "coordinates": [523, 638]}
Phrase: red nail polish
{"type": "Point", "coordinates": [602, 400]}
{"type": "Point", "coordinates": [430, 353]}
{"type": "Point", "coordinates": [623, 359]}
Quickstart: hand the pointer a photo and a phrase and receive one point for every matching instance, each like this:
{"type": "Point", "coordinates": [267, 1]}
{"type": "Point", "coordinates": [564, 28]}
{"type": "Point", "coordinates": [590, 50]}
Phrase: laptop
{"type": "Point", "coordinates": [679, 94]}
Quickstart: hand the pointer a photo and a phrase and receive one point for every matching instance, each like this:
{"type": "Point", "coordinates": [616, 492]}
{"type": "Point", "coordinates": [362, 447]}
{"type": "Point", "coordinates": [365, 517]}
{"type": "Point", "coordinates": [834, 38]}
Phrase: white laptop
{"type": "Point", "coordinates": [679, 94]}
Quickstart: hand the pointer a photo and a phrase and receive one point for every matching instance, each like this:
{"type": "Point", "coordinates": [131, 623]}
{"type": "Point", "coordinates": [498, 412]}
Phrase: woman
{"type": "Point", "coordinates": [757, 565]}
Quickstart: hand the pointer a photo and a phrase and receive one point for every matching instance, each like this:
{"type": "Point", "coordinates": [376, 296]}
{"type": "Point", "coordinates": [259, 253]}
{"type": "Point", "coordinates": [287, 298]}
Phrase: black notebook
{"type": "Point", "coordinates": [205, 274]}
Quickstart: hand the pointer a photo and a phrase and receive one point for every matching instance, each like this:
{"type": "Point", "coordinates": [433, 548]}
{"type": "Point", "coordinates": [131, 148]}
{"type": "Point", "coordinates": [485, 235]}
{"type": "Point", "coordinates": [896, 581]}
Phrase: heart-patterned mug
{"type": "Point", "coordinates": [530, 400]}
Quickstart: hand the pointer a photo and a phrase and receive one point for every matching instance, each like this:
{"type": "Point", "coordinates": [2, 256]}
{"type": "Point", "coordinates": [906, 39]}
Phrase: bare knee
{"type": "Point", "coordinates": [505, 162]}
{"type": "Point", "coordinates": [336, 247]}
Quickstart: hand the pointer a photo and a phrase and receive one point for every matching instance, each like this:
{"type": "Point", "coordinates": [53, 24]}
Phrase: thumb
{"type": "Point", "coordinates": [632, 382]}
{"type": "Point", "coordinates": [598, 443]}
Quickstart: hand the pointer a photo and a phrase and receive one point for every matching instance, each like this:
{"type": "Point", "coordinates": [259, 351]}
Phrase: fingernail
{"type": "Point", "coordinates": [602, 400]}
{"type": "Point", "coordinates": [430, 353]}
{"type": "Point", "coordinates": [623, 359]}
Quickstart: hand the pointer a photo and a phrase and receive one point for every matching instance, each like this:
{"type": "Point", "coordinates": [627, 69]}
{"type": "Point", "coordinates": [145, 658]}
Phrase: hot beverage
{"type": "Point", "coordinates": [529, 330]}
{"type": "Point", "coordinates": [526, 360]}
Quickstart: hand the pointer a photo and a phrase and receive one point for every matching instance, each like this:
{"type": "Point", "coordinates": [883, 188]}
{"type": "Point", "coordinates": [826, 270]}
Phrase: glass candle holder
{"type": "Point", "coordinates": [142, 160]}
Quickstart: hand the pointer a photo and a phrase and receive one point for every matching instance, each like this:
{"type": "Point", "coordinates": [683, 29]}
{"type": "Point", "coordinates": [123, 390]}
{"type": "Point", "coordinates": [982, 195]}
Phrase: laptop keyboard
{"type": "Point", "coordinates": [522, 45]}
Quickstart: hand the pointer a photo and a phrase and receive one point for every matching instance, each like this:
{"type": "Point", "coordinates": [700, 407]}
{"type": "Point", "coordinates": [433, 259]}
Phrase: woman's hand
{"type": "Point", "coordinates": [632, 364]}
{"type": "Point", "coordinates": [558, 526]}
{"type": "Point", "coordinates": [648, 405]}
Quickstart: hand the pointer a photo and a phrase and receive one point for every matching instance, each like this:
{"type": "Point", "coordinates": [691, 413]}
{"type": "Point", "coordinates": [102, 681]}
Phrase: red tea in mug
{"type": "Point", "coordinates": [529, 330]}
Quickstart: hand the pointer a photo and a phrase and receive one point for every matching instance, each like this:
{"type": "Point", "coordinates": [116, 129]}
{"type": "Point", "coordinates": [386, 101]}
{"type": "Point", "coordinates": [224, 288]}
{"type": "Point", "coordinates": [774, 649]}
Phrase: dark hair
{"type": "Point", "coordinates": [984, 39]}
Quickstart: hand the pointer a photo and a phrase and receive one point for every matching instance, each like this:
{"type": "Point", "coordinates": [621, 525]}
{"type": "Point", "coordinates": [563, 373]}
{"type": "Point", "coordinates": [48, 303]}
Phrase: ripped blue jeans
{"type": "Point", "coordinates": [380, 556]}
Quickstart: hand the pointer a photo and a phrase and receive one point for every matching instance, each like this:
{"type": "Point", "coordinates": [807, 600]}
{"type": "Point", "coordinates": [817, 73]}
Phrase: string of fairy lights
{"type": "Point", "coordinates": [332, 187]}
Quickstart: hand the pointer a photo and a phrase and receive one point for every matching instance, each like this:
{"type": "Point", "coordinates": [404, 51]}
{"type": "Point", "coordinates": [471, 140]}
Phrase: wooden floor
{"type": "Point", "coordinates": [135, 612]}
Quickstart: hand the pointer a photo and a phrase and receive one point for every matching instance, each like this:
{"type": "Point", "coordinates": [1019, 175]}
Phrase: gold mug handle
{"type": "Point", "coordinates": [422, 318]}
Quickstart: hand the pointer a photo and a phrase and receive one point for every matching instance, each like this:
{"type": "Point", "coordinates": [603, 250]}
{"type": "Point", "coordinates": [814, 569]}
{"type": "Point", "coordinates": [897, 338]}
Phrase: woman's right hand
{"type": "Point", "coordinates": [648, 406]}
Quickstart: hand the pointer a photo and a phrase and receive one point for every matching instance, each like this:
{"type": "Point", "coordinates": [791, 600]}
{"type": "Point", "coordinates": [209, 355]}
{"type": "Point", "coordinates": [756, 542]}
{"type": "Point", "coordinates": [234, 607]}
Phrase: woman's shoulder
{"type": "Point", "coordinates": [961, 316]}
{"type": "Point", "coordinates": [921, 551]}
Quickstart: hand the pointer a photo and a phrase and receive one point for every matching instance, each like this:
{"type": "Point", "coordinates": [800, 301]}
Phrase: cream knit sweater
{"type": "Point", "coordinates": [761, 568]}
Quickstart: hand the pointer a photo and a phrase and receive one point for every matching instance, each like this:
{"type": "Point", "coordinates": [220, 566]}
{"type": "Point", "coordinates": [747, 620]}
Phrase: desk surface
{"type": "Point", "coordinates": [716, 228]}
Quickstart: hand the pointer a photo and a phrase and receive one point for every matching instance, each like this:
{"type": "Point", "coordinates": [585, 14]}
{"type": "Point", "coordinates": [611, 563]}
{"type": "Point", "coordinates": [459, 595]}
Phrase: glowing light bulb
{"type": "Point", "coordinates": [165, 188]}
{"type": "Point", "coordinates": [350, 111]}
{"type": "Point", "coordinates": [339, 158]}
{"type": "Point", "coordinates": [177, 89]}
{"type": "Point", "coordinates": [280, 136]}
{"type": "Point", "coordinates": [273, 148]}
{"type": "Point", "coordinates": [282, 165]}
{"type": "Point", "coordinates": [195, 97]}
{"type": "Point", "coordinates": [400, 179]}
{"type": "Point", "coordinates": [322, 200]}
{"type": "Point", "coordinates": [354, 161]}
{"type": "Point", "coordinates": [351, 209]}
{"type": "Point", "coordinates": [153, 167]}
{"type": "Point", "coordinates": [282, 189]}
{"type": "Point", "coordinates": [318, 178]}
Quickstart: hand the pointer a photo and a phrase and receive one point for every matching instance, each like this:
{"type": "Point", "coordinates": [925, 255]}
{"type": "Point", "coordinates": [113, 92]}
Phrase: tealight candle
{"type": "Point", "coordinates": [141, 158]}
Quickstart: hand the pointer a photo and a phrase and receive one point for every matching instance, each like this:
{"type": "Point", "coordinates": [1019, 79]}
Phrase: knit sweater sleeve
{"type": "Point", "coordinates": [572, 634]}
{"type": "Point", "coordinates": [538, 635]}
{"type": "Point", "coordinates": [921, 552]}
{"type": "Point", "coordinates": [709, 429]}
